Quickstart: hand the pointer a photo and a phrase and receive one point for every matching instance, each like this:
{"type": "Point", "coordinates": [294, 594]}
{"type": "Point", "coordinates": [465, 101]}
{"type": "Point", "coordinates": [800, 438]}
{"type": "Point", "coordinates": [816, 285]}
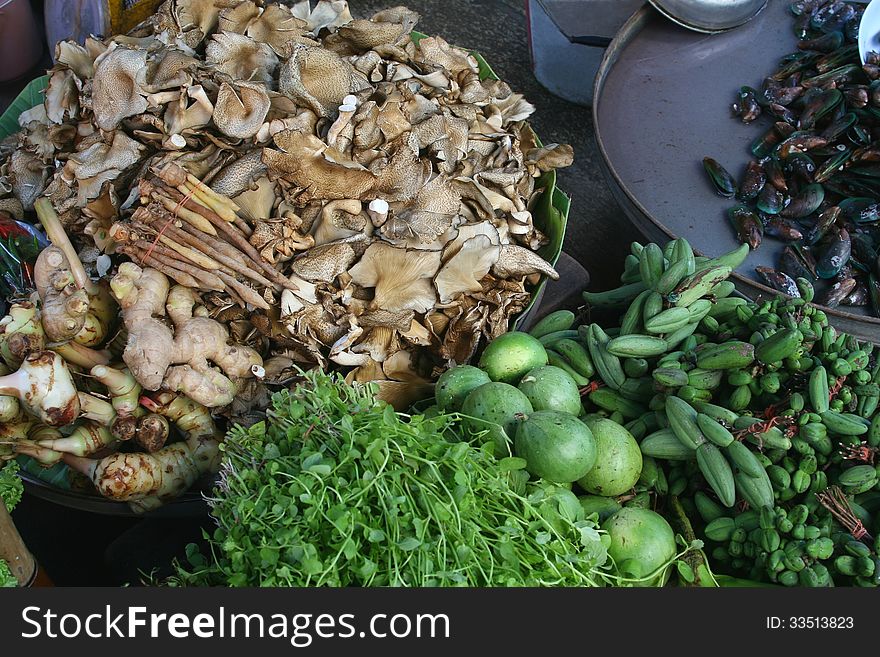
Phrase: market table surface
{"type": "Point", "coordinates": [78, 548]}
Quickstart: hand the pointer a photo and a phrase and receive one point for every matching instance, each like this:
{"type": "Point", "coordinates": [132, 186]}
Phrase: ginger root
{"type": "Point", "coordinates": [146, 481]}
{"type": "Point", "coordinates": [45, 388]}
{"type": "Point", "coordinates": [179, 361]}
{"type": "Point", "coordinates": [65, 306]}
{"type": "Point", "coordinates": [73, 306]}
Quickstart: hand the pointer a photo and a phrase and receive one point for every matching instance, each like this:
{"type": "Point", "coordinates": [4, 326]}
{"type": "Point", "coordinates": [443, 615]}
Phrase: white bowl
{"type": "Point", "coordinates": [869, 30]}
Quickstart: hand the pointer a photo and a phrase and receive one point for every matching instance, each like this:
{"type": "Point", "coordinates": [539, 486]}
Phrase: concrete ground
{"type": "Point", "coordinates": [598, 233]}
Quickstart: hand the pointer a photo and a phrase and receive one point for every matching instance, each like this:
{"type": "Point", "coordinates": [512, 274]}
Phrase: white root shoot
{"type": "Point", "coordinates": [45, 388]}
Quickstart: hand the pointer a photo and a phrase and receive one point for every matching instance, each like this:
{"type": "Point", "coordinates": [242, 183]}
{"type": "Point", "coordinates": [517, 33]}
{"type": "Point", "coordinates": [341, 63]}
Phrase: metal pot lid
{"type": "Point", "coordinates": [709, 16]}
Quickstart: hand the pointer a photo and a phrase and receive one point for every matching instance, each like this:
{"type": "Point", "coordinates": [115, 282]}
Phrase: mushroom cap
{"type": "Point", "coordinates": [238, 175]}
{"type": "Point", "coordinates": [238, 18]}
{"type": "Point", "coordinates": [240, 57]}
{"type": "Point", "coordinates": [240, 109]}
{"type": "Point", "coordinates": [279, 29]}
{"type": "Point", "coordinates": [116, 93]}
{"type": "Point", "coordinates": [302, 161]}
{"type": "Point", "coordinates": [322, 264]}
{"type": "Point", "coordinates": [75, 57]}
{"type": "Point", "coordinates": [401, 278]}
{"type": "Point", "coordinates": [463, 272]}
{"type": "Point", "coordinates": [516, 262]}
{"type": "Point", "coordinates": [327, 14]}
{"type": "Point", "coordinates": [319, 78]}
{"type": "Point", "coordinates": [167, 69]}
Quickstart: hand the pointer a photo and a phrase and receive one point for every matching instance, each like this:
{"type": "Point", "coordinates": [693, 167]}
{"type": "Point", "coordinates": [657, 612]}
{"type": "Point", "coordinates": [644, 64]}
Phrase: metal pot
{"type": "Point", "coordinates": [709, 15]}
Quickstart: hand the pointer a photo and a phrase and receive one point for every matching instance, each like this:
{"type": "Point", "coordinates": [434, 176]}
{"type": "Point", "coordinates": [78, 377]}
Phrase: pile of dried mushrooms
{"type": "Point", "coordinates": [374, 194]}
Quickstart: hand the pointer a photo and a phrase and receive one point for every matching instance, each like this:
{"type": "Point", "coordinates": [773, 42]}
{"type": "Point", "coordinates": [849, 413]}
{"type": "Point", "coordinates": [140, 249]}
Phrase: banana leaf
{"type": "Point", "coordinates": [30, 96]}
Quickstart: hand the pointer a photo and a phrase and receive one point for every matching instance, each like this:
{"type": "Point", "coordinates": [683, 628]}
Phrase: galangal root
{"type": "Point", "coordinates": [73, 306]}
{"type": "Point", "coordinates": [146, 481]}
{"type": "Point", "coordinates": [179, 361]}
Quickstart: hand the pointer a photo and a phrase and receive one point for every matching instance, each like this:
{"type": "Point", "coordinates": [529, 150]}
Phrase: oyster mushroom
{"type": "Point", "coordinates": [197, 14]}
{"type": "Point", "coordinates": [76, 58]}
{"type": "Point", "coordinates": [340, 219]}
{"type": "Point", "coordinates": [239, 174]}
{"type": "Point", "coordinates": [516, 262]}
{"type": "Point", "coordinates": [386, 27]}
{"type": "Point", "coordinates": [168, 69]}
{"type": "Point", "coordinates": [238, 18]}
{"type": "Point", "coordinates": [240, 57]}
{"type": "Point", "coordinates": [62, 96]}
{"type": "Point", "coordinates": [116, 93]}
{"type": "Point", "coordinates": [28, 176]}
{"type": "Point", "coordinates": [319, 78]}
{"type": "Point", "coordinates": [464, 271]}
{"type": "Point", "coordinates": [401, 278]}
{"type": "Point", "coordinates": [240, 109]}
{"type": "Point", "coordinates": [323, 264]}
{"type": "Point", "coordinates": [279, 29]}
{"type": "Point", "coordinates": [327, 14]}
{"type": "Point", "coordinates": [257, 202]}
{"type": "Point", "coordinates": [302, 160]}
{"type": "Point", "coordinates": [181, 115]}
{"type": "Point", "coordinates": [101, 162]}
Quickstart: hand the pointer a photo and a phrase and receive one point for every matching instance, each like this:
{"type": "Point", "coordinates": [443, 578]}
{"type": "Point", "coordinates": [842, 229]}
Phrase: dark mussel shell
{"type": "Point", "coordinates": [782, 113]}
{"type": "Point", "coordinates": [748, 227]}
{"type": "Point", "coordinates": [839, 126]}
{"type": "Point", "coordinates": [859, 135]}
{"type": "Point", "coordinates": [795, 63]}
{"type": "Point", "coordinates": [753, 181]}
{"type": "Point", "coordinates": [858, 297]}
{"type": "Point", "coordinates": [764, 145]}
{"type": "Point", "coordinates": [864, 251]}
{"type": "Point", "coordinates": [874, 293]}
{"type": "Point", "coordinates": [746, 106]}
{"type": "Point", "coordinates": [805, 203]}
{"type": "Point", "coordinates": [851, 29]}
{"type": "Point", "coordinates": [801, 7]}
{"type": "Point", "coordinates": [819, 106]}
{"type": "Point", "coordinates": [824, 43]}
{"type": "Point", "coordinates": [832, 165]}
{"type": "Point", "coordinates": [800, 142]}
{"type": "Point", "coordinates": [872, 70]}
{"type": "Point", "coordinates": [874, 91]}
{"type": "Point", "coordinates": [770, 200]}
{"type": "Point", "coordinates": [802, 26]}
{"type": "Point", "coordinates": [834, 77]}
{"type": "Point", "coordinates": [857, 96]}
{"type": "Point", "coordinates": [866, 154]}
{"type": "Point", "coordinates": [835, 254]}
{"type": "Point", "coordinates": [860, 210]}
{"type": "Point", "coordinates": [841, 56]}
{"type": "Point", "coordinates": [831, 16]}
{"type": "Point", "coordinates": [775, 174]}
{"type": "Point", "coordinates": [780, 94]}
{"type": "Point", "coordinates": [801, 168]}
{"type": "Point", "coordinates": [781, 229]}
{"type": "Point", "coordinates": [723, 182]}
{"type": "Point", "coordinates": [839, 292]}
{"type": "Point", "coordinates": [823, 224]}
{"type": "Point", "coordinates": [779, 280]}
{"type": "Point", "coordinates": [797, 262]}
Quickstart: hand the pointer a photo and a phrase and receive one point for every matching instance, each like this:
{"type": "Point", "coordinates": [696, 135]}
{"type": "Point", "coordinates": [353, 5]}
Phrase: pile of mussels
{"type": "Point", "coordinates": [814, 182]}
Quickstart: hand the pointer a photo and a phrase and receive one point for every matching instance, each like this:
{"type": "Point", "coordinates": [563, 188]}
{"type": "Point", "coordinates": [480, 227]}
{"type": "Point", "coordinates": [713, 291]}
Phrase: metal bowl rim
{"type": "Point", "coordinates": [630, 29]}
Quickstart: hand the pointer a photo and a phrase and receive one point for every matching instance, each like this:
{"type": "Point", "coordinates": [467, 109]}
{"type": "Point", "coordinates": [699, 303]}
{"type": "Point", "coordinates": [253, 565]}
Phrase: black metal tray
{"type": "Point", "coordinates": [661, 103]}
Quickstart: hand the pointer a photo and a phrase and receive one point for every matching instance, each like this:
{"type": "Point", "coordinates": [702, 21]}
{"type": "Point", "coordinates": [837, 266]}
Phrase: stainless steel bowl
{"type": "Point", "coordinates": [709, 16]}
